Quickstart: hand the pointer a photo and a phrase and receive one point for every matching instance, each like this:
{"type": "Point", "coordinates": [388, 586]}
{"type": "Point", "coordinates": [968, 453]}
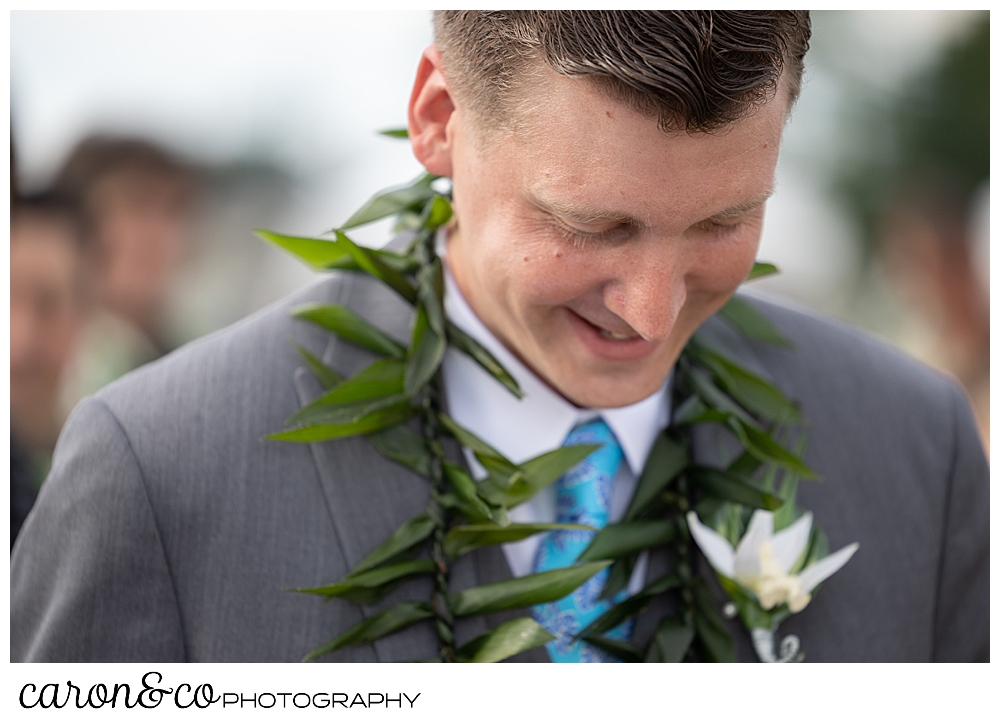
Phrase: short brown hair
{"type": "Point", "coordinates": [694, 70]}
{"type": "Point", "coordinates": [99, 156]}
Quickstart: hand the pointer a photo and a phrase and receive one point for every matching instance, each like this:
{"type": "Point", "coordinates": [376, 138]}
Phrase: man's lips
{"type": "Point", "coordinates": [609, 345]}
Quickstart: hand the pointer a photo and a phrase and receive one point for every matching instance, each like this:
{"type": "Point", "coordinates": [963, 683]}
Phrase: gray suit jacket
{"type": "Point", "coordinates": [168, 531]}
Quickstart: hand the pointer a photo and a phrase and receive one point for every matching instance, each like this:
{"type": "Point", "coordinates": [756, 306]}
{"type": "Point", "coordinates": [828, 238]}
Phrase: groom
{"type": "Point", "coordinates": [610, 171]}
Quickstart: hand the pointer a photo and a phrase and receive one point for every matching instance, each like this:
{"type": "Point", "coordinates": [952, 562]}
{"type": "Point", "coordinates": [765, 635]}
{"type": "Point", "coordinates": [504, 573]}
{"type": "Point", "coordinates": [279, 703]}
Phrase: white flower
{"type": "Point", "coordinates": [762, 560]}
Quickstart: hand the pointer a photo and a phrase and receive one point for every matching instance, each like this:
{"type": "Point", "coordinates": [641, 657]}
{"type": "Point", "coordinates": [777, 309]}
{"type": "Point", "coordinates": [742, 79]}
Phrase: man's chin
{"type": "Point", "coordinates": [607, 389]}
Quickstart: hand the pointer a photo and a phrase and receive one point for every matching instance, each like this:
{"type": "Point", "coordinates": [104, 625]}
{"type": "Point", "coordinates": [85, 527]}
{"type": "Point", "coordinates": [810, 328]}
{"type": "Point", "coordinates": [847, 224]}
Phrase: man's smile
{"type": "Point", "coordinates": [609, 345]}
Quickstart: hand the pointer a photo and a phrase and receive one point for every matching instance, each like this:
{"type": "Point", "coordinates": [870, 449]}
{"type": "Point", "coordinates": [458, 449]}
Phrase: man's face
{"type": "Point", "coordinates": [45, 316]}
{"type": "Point", "coordinates": [143, 230]}
{"type": "Point", "coordinates": [593, 245]}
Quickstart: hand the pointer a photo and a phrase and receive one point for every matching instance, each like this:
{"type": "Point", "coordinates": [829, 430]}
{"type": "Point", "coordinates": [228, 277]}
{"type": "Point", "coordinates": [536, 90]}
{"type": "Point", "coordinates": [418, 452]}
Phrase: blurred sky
{"type": "Point", "coordinates": [303, 92]}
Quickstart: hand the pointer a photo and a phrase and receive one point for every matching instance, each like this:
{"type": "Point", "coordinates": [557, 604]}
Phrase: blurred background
{"type": "Point", "coordinates": [146, 147]}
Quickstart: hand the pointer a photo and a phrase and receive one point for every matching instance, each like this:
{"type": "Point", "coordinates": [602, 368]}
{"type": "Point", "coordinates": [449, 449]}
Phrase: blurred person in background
{"type": "Point", "coordinates": [137, 204]}
{"type": "Point", "coordinates": [925, 202]}
{"type": "Point", "coordinates": [47, 309]}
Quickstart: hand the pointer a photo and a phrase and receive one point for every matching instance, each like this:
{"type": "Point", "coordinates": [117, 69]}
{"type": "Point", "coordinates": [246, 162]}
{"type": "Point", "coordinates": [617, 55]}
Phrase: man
{"type": "Point", "coordinates": [138, 203]}
{"type": "Point", "coordinates": [609, 176]}
{"type": "Point", "coordinates": [47, 309]}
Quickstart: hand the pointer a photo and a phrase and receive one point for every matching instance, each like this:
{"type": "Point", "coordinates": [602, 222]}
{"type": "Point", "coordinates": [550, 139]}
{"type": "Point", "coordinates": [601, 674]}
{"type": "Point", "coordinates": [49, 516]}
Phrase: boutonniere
{"type": "Point", "coordinates": [770, 575]}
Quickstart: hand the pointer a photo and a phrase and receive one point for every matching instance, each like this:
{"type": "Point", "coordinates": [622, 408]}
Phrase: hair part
{"type": "Point", "coordinates": [695, 71]}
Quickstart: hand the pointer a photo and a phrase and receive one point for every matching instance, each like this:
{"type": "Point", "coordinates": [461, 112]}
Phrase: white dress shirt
{"type": "Point", "coordinates": [524, 428]}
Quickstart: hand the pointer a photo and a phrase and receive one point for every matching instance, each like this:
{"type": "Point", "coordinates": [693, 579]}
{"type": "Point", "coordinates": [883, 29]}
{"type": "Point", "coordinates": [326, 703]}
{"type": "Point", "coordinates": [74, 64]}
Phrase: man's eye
{"type": "Point", "coordinates": [581, 237]}
{"type": "Point", "coordinates": [720, 228]}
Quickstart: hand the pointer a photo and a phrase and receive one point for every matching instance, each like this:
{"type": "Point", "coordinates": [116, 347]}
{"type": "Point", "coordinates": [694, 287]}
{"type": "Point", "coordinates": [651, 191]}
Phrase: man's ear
{"type": "Point", "coordinates": [431, 108]}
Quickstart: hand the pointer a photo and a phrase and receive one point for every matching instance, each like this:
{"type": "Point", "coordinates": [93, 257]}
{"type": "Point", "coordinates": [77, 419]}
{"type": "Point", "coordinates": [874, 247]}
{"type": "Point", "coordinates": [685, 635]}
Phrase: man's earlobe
{"type": "Point", "coordinates": [431, 108]}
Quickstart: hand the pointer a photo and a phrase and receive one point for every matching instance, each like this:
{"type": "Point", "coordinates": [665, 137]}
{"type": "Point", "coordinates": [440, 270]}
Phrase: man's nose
{"type": "Point", "coordinates": [648, 292]}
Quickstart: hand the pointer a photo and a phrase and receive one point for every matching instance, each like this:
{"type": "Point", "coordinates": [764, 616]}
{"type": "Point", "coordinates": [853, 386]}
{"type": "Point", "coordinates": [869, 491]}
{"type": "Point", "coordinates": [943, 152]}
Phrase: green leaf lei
{"type": "Point", "coordinates": [396, 403]}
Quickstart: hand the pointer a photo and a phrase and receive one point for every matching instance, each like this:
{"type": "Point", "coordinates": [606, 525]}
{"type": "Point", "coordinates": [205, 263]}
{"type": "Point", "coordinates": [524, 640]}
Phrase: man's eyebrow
{"type": "Point", "coordinates": [741, 209]}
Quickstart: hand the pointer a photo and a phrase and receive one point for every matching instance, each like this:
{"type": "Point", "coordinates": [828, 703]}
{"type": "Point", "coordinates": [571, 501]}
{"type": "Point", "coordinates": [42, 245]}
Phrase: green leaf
{"type": "Point", "coordinates": [672, 641]}
{"type": "Point", "coordinates": [427, 353]}
{"type": "Point", "coordinates": [785, 515]}
{"type": "Point", "coordinates": [710, 628]}
{"type": "Point", "coordinates": [345, 412]}
{"type": "Point", "coordinates": [533, 589]}
{"type": "Point", "coordinates": [618, 576]}
{"type": "Point", "coordinates": [398, 262]}
{"type": "Point", "coordinates": [754, 393]}
{"type": "Point", "coordinates": [498, 515]}
{"type": "Point", "coordinates": [369, 587]}
{"type": "Point", "coordinates": [627, 537]}
{"type": "Point", "coordinates": [392, 201]}
{"type": "Point", "coordinates": [750, 611]}
{"type": "Point", "coordinates": [615, 616]}
{"type": "Point", "coordinates": [408, 221]}
{"type": "Point", "coordinates": [504, 641]}
{"type": "Point", "coordinates": [751, 323]}
{"type": "Point", "coordinates": [430, 292]}
{"type": "Point", "coordinates": [317, 252]}
{"type": "Point", "coordinates": [395, 133]}
{"type": "Point", "coordinates": [349, 326]}
{"type": "Point", "coordinates": [401, 444]}
{"type": "Point", "coordinates": [326, 376]}
{"type": "Point", "coordinates": [324, 254]}
{"type": "Point", "coordinates": [546, 468]}
{"type": "Point", "coordinates": [630, 607]}
{"type": "Point", "coordinates": [662, 584]}
{"type": "Point", "coordinates": [464, 538]}
{"type": "Point", "coordinates": [392, 619]}
{"type": "Point", "coordinates": [410, 533]}
{"type": "Point", "coordinates": [380, 378]}
{"type": "Point", "coordinates": [626, 652]}
{"type": "Point", "coordinates": [468, 439]}
{"type": "Point", "coordinates": [789, 511]}
{"type": "Point", "coordinates": [438, 214]}
{"type": "Point", "coordinates": [760, 444]}
{"type": "Point", "coordinates": [718, 400]}
{"type": "Point", "coordinates": [818, 548]}
{"type": "Point", "coordinates": [465, 488]}
{"type": "Point", "coordinates": [378, 419]}
{"type": "Point", "coordinates": [761, 269]}
{"type": "Point", "coordinates": [725, 486]}
{"type": "Point", "coordinates": [380, 384]}
{"type": "Point", "coordinates": [465, 343]}
{"type": "Point", "coordinates": [370, 262]}
{"type": "Point", "coordinates": [744, 466]}
{"type": "Point", "coordinates": [541, 471]}
{"type": "Point", "coordinates": [691, 411]}
{"type": "Point", "coordinates": [666, 460]}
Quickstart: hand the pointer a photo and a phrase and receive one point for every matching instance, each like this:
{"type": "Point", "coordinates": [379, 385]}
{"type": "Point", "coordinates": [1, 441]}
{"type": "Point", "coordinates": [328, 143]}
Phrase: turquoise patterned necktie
{"type": "Point", "coordinates": [583, 496]}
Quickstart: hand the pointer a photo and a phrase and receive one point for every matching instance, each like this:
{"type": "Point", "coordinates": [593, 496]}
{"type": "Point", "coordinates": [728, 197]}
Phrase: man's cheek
{"type": "Point", "coordinates": [722, 270]}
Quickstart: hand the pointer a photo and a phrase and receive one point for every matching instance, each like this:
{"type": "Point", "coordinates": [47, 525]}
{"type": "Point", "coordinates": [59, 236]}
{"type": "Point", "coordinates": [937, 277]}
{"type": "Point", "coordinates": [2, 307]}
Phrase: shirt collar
{"type": "Point", "coordinates": [525, 428]}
